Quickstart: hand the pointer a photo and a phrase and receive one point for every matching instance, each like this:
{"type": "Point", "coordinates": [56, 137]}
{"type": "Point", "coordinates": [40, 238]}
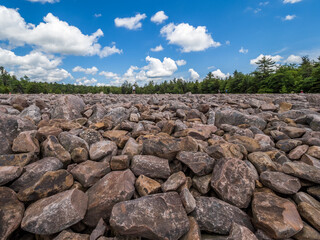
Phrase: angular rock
{"type": "Point", "coordinates": [11, 212]}
{"type": "Point", "coordinates": [314, 151]}
{"type": "Point", "coordinates": [310, 214]}
{"type": "Point", "coordinates": [79, 155]}
{"type": "Point", "coordinates": [34, 171]}
{"type": "Point", "coordinates": [278, 217]}
{"type": "Point", "coordinates": [293, 132]}
{"type": "Point", "coordinates": [102, 149]}
{"type": "Point", "coordinates": [239, 232]}
{"type": "Point", "coordinates": [26, 142]}
{"type": "Point", "coordinates": [225, 150]}
{"type": "Point", "coordinates": [71, 142]}
{"type": "Point", "coordinates": [187, 200]}
{"type": "Point", "coordinates": [287, 145]}
{"type": "Point", "coordinates": [262, 162]}
{"type": "Point", "coordinates": [280, 182]}
{"type": "Point", "coordinates": [302, 170]}
{"type": "Point", "coordinates": [9, 173]}
{"type": "Point", "coordinates": [115, 187]}
{"type": "Point", "coordinates": [216, 216]}
{"type": "Point", "coordinates": [32, 112]}
{"type": "Point", "coordinates": [18, 160]}
{"type": "Point", "coordinates": [50, 183]}
{"type": "Point", "coordinates": [194, 232]}
{"type": "Point", "coordinates": [202, 184]}
{"type": "Point", "coordinates": [99, 230]}
{"type": "Point", "coordinates": [68, 107]}
{"type": "Point", "coordinates": [56, 213]}
{"type": "Point", "coordinates": [132, 148]}
{"type": "Point", "coordinates": [46, 131]}
{"type": "Point", "coordinates": [146, 186]}
{"type": "Point", "coordinates": [199, 162]}
{"type": "Point", "coordinates": [91, 136]}
{"type": "Point", "coordinates": [249, 143]}
{"type": "Point", "coordinates": [150, 166]}
{"type": "Point", "coordinates": [52, 148]}
{"type": "Point", "coordinates": [90, 172]}
{"type": "Point", "coordinates": [307, 232]}
{"type": "Point", "coordinates": [66, 235]}
{"type": "Point", "coordinates": [314, 191]}
{"type": "Point", "coordinates": [158, 216]}
{"type": "Point", "coordinates": [233, 181]}
{"type": "Point", "coordinates": [120, 162]}
{"type": "Point", "coordinates": [304, 197]}
{"type": "Point", "coordinates": [310, 160]}
{"type": "Point", "coordinates": [296, 153]}
{"type": "Point", "coordinates": [174, 182]}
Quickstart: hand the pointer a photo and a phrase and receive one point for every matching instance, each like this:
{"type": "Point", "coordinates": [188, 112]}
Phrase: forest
{"type": "Point", "coordinates": [268, 77]}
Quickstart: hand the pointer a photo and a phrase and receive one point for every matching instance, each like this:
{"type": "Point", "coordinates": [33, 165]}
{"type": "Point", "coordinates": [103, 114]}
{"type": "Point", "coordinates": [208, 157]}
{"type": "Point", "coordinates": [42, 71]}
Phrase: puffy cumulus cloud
{"type": "Point", "coordinates": [293, 59]}
{"type": "Point", "coordinates": [109, 75]}
{"type": "Point", "coordinates": [36, 65]}
{"type": "Point", "coordinates": [193, 74]}
{"type": "Point", "coordinates": [158, 69]}
{"type": "Point", "coordinates": [276, 58]}
{"type": "Point", "coordinates": [243, 50]}
{"type": "Point", "coordinates": [52, 35]}
{"type": "Point", "coordinates": [181, 62]}
{"type": "Point", "coordinates": [86, 81]}
{"type": "Point", "coordinates": [130, 23]}
{"type": "Point", "coordinates": [92, 70]}
{"type": "Point", "coordinates": [289, 17]}
{"type": "Point", "coordinates": [291, 1]}
{"type": "Point", "coordinates": [45, 1]}
{"type": "Point", "coordinates": [219, 74]}
{"type": "Point", "coordinates": [159, 17]}
{"type": "Point", "coordinates": [188, 37]}
{"type": "Point", "coordinates": [157, 48]}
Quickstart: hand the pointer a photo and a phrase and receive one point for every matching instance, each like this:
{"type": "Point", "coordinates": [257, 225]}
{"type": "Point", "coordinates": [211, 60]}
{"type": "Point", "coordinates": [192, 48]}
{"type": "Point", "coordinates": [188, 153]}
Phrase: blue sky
{"type": "Point", "coordinates": [108, 42]}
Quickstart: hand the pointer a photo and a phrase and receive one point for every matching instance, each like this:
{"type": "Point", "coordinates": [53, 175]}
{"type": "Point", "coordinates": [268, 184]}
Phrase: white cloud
{"type": "Point", "coordinates": [85, 81]}
{"type": "Point", "coordinates": [243, 50]}
{"type": "Point", "coordinates": [159, 17]}
{"type": "Point", "coordinates": [257, 10]}
{"type": "Point", "coordinates": [188, 37]}
{"type": "Point", "coordinates": [157, 69]}
{"type": "Point", "coordinates": [44, 1]}
{"type": "Point", "coordinates": [97, 15]}
{"type": "Point", "coordinates": [131, 23]}
{"type": "Point", "coordinates": [263, 4]}
{"type": "Point", "coordinates": [181, 62]}
{"type": "Point", "coordinates": [92, 70]}
{"type": "Point", "coordinates": [36, 65]}
{"type": "Point", "coordinates": [52, 35]}
{"type": "Point", "coordinates": [228, 43]}
{"type": "Point", "coordinates": [291, 1]}
{"type": "Point", "coordinates": [276, 58]}
{"type": "Point", "coordinates": [193, 74]}
{"type": "Point", "coordinates": [293, 59]}
{"type": "Point", "coordinates": [108, 75]}
{"type": "Point", "coordinates": [211, 67]}
{"type": "Point", "coordinates": [157, 48]}
{"type": "Point", "coordinates": [219, 74]}
{"type": "Point", "coordinates": [289, 17]}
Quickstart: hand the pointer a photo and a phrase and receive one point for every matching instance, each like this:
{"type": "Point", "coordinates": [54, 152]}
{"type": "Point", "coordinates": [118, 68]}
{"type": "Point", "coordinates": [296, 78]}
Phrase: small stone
{"type": "Point", "coordinates": [90, 172]}
{"type": "Point", "coordinates": [278, 217]}
{"type": "Point", "coordinates": [284, 107]}
{"type": "Point", "coordinates": [239, 232]}
{"type": "Point", "coordinates": [79, 155]}
{"type": "Point", "coordinates": [120, 162]}
{"type": "Point", "coordinates": [56, 213]}
{"type": "Point", "coordinates": [9, 173]}
{"type": "Point", "coordinates": [314, 191]}
{"type": "Point", "coordinates": [52, 148]}
{"type": "Point", "coordinates": [302, 170]}
{"type": "Point", "coordinates": [11, 212]}
{"type": "Point", "coordinates": [233, 181]}
{"type": "Point", "coordinates": [194, 232]}
{"type": "Point", "coordinates": [70, 142]}
{"type": "Point", "coordinates": [132, 148]}
{"type": "Point", "coordinates": [99, 230]}
{"type": "Point", "coordinates": [202, 184]}
{"type": "Point", "coordinates": [158, 216]}
{"type": "Point", "coordinates": [187, 200]}
{"type": "Point", "coordinates": [225, 150]}
{"type": "Point", "coordinates": [91, 136]}
{"type": "Point", "coordinates": [280, 182]}
{"type": "Point", "coordinates": [50, 183]}
{"type": "Point", "coordinates": [150, 166]}
{"type": "Point", "coordinates": [312, 161]}
{"type": "Point", "coordinates": [296, 153]}
{"type": "Point", "coordinates": [146, 186]}
{"type": "Point", "coordinates": [174, 182]}
{"type": "Point", "coordinates": [66, 235]}
{"type": "Point", "coordinates": [314, 151]}
{"type": "Point", "coordinates": [102, 149]}
{"type": "Point", "coordinates": [287, 145]}
{"type": "Point", "coordinates": [46, 131]}
{"type": "Point", "coordinates": [26, 142]}
{"type": "Point", "coordinates": [293, 132]}
{"type": "Point", "coordinates": [199, 162]}
{"type": "Point", "coordinates": [310, 213]}
{"type": "Point", "coordinates": [250, 144]}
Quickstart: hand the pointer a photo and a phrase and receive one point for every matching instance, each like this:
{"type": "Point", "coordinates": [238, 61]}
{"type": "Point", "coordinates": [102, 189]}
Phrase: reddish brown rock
{"type": "Point", "coordinates": [79, 155]}
{"type": "Point", "coordinates": [102, 149]}
{"type": "Point", "coordinates": [293, 132]}
{"type": "Point", "coordinates": [9, 173]}
{"type": "Point", "coordinates": [296, 153]}
{"type": "Point", "coordinates": [68, 235]}
{"type": "Point", "coordinates": [287, 145]}
{"type": "Point", "coordinates": [239, 232]}
{"type": "Point", "coordinates": [11, 212]}
{"type": "Point", "coordinates": [120, 162]}
{"type": "Point", "coordinates": [314, 151]}
{"type": "Point", "coordinates": [310, 214]}
{"type": "Point", "coordinates": [277, 216]}
{"type": "Point", "coordinates": [146, 186]}
{"type": "Point", "coordinates": [199, 162]}
{"type": "Point", "coordinates": [225, 150]}
{"type": "Point", "coordinates": [56, 213]}
{"type": "Point", "coordinates": [262, 162]}
{"type": "Point", "coordinates": [158, 216]}
{"type": "Point", "coordinates": [46, 131]}
{"type": "Point", "coordinates": [308, 233]}
{"type": "Point", "coordinates": [150, 166]}
{"type": "Point", "coordinates": [115, 187]}
{"type": "Point", "coordinates": [187, 200]}
{"type": "Point", "coordinates": [202, 184]}
{"type": "Point", "coordinates": [233, 181]}
{"type": "Point", "coordinates": [302, 170]}
{"type": "Point", "coordinates": [310, 160]}
{"type": "Point", "coordinates": [194, 232]}
{"type": "Point", "coordinates": [90, 172]}
{"type": "Point", "coordinates": [52, 148]}
{"type": "Point", "coordinates": [132, 148]}
{"type": "Point", "coordinates": [18, 160]}
{"type": "Point", "coordinates": [174, 182]}
{"type": "Point", "coordinates": [26, 142]}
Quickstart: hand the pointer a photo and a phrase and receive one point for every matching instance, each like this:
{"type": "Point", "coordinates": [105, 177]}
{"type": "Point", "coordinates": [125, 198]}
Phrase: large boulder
{"type": "Point", "coordinates": [159, 216]}
{"type": "Point", "coordinates": [68, 107]}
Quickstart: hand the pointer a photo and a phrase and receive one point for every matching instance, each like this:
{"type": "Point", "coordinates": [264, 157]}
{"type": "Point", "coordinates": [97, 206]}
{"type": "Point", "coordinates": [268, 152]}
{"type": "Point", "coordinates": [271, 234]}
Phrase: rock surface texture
{"type": "Point", "coordinates": [167, 167]}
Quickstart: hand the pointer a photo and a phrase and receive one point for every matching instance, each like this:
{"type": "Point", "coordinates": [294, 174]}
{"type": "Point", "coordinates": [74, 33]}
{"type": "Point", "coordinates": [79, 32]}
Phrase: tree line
{"type": "Point", "coordinates": [268, 77]}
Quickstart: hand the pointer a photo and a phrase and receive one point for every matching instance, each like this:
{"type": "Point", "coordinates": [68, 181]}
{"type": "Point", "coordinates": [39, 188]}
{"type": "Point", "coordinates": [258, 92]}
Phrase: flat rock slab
{"type": "Point", "coordinates": [302, 170]}
{"type": "Point", "coordinates": [199, 162]}
{"type": "Point", "coordinates": [115, 187]}
{"type": "Point", "coordinates": [159, 216]}
{"type": "Point", "coordinates": [19, 160]}
{"type": "Point", "coordinates": [276, 216]}
{"type": "Point", "coordinates": [9, 173]}
{"type": "Point", "coordinates": [150, 166]}
{"type": "Point", "coordinates": [11, 212]}
{"type": "Point", "coordinates": [216, 216]}
{"type": "Point", "coordinates": [233, 181]}
{"type": "Point", "coordinates": [56, 213]}
{"type": "Point", "coordinates": [280, 182]}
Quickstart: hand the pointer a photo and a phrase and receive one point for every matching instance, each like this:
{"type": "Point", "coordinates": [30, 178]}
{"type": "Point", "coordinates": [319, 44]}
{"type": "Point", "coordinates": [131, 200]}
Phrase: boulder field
{"type": "Point", "coordinates": [167, 167]}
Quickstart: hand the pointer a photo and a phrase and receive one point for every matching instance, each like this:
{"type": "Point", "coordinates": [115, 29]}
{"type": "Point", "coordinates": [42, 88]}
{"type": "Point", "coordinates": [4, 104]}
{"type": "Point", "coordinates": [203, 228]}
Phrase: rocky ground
{"type": "Point", "coordinates": [188, 167]}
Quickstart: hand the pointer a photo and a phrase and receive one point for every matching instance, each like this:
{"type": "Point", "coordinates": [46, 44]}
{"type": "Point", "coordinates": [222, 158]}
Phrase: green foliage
{"type": "Point", "coordinates": [267, 78]}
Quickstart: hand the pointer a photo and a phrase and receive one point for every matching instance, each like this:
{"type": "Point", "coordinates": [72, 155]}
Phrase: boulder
{"type": "Point", "coordinates": [52, 148]}
{"type": "Point", "coordinates": [102, 149]}
{"type": "Point", "coordinates": [26, 142]}
{"type": "Point", "coordinates": [68, 107]}
{"type": "Point", "coordinates": [280, 182]}
{"type": "Point", "coordinates": [302, 170]}
{"type": "Point", "coordinates": [9, 173]}
{"type": "Point", "coordinates": [150, 166]}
